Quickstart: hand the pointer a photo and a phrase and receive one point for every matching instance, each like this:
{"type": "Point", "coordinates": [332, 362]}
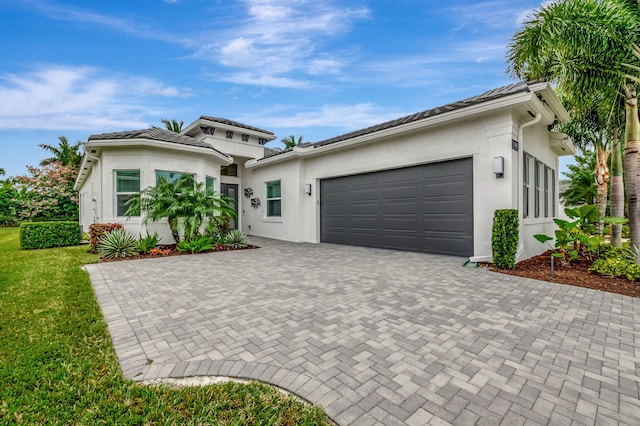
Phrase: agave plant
{"type": "Point", "coordinates": [117, 244]}
{"type": "Point", "coordinates": [235, 239]}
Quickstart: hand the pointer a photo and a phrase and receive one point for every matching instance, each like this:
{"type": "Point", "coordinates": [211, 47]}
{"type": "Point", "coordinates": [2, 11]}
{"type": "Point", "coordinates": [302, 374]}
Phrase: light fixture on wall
{"type": "Point", "coordinates": [307, 188]}
{"type": "Point", "coordinates": [498, 167]}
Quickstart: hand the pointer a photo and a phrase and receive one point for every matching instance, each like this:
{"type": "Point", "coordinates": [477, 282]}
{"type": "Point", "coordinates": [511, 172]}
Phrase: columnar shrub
{"type": "Point", "coordinates": [98, 230]}
{"type": "Point", "coordinates": [504, 238]}
{"type": "Point", "coordinates": [38, 235]}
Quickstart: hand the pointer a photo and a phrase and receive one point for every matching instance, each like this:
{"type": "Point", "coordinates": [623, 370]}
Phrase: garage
{"type": "Point", "coordinates": [426, 208]}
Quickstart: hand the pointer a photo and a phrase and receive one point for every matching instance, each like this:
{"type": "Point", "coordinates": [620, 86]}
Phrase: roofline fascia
{"type": "Point", "coordinates": [492, 105]}
{"type": "Point", "coordinates": [200, 121]}
{"type": "Point", "coordinates": [552, 99]}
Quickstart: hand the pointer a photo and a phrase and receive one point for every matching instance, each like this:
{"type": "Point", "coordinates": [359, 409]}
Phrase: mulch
{"type": "Point", "coordinates": [170, 250]}
{"type": "Point", "coordinates": [576, 274]}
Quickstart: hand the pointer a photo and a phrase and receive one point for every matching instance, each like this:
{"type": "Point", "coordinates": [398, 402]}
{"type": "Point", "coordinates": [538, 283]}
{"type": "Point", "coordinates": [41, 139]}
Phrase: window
{"type": "Point", "coordinates": [245, 138]}
{"type": "Point", "coordinates": [171, 177]}
{"type": "Point", "coordinates": [230, 170]}
{"type": "Point", "coordinates": [262, 141]}
{"type": "Point", "coordinates": [526, 185]}
{"type": "Point", "coordinates": [274, 199]}
{"type": "Point", "coordinates": [547, 172]}
{"type": "Point", "coordinates": [127, 184]}
{"type": "Point", "coordinates": [536, 194]}
{"type": "Point", "coordinates": [553, 193]}
{"type": "Point", "coordinates": [229, 134]}
{"type": "Point", "coordinates": [210, 183]}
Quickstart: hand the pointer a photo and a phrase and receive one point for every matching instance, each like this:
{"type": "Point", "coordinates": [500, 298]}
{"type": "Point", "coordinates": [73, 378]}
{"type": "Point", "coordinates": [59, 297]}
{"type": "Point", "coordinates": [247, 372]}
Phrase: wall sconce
{"type": "Point", "coordinates": [307, 188]}
{"type": "Point", "coordinates": [498, 167]}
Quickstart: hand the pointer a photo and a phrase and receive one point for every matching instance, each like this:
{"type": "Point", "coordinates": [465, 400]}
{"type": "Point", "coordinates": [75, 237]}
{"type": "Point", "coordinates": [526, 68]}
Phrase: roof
{"type": "Point", "coordinates": [155, 134]}
{"type": "Point", "coordinates": [500, 92]}
{"type": "Point", "coordinates": [234, 123]}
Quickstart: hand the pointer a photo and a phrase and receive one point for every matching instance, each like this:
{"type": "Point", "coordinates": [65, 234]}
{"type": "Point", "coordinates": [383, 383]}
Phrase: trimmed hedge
{"type": "Point", "coordinates": [39, 235]}
{"type": "Point", "coordinates": [504, 238]}
{"type": "Point", "coordinates": [99, 230]}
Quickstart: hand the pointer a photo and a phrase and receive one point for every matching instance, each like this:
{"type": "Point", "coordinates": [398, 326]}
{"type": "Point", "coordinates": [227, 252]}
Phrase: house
{"type": "Point", "coordinates": [427, 182]}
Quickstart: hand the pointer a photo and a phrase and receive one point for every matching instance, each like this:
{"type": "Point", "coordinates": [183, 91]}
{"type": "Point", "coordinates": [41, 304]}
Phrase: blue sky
{"type": "Point", "coordinates": [312, 68]}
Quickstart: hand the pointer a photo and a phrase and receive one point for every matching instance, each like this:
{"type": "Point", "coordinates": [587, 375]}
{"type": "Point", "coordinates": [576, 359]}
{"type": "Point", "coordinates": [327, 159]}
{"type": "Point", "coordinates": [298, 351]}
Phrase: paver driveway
{"type": "Point", "coordinates": [379, 336]}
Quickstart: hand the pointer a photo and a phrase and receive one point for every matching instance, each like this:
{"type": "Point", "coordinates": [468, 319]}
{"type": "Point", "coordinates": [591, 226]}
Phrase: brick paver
{"type": "Point", "coordinates": [378, 336]}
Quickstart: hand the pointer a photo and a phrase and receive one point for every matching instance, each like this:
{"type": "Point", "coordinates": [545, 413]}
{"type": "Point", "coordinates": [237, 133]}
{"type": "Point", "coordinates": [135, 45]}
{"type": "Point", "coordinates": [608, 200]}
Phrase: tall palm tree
{"type": "Point", "coordinates": [173, 125]}
{"type": "Point", "coordinates": [291, 141]}
{"type": "Point", "coordinates": [67, 154]}
{"type": "Point", "coordinates": [581, 45]}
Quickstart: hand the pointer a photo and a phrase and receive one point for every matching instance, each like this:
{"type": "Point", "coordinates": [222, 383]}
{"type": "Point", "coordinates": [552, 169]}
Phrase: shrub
{"type": "Point", "coordinates": [146, 244]}
{"type": "Point", "coordinates": [197, 245]}
{"type": "Point", "coordinates": [235, 239]}
{"type": "Point", "coordinates": [38, 235]}
{"type": "Point", "coordinates": [98, 230]}
{"type": "Point", "coordinates": [117, 244]}
{"type": "Point", "coordinates": [504, 238]}
{"type": "Point", "coordinates": [616, 267]}
{"type": "Point", "coordinates": [8, 220]}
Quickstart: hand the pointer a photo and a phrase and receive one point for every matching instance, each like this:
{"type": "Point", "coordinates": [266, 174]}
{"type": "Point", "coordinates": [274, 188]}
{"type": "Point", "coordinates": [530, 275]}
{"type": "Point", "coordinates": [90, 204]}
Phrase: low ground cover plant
{"type": "Point", "coordinates": [58, 366]}
{"type": "Point", "coordinates": [147, 243]}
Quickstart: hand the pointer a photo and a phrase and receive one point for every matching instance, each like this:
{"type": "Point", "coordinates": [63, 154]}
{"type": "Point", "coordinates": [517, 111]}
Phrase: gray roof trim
{"type": "Point", "coordinates": [155, 134]}
{"type": "Point", "coordinates": [500, 92]}
{"type": "Point", "coordinates": [235, 124]}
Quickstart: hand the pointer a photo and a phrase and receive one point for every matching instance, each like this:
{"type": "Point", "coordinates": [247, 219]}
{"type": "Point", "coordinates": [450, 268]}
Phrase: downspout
{"type": "Point", "coordinates": [536, 120]}
{"type": "Point", "coordinates": [519, 158]}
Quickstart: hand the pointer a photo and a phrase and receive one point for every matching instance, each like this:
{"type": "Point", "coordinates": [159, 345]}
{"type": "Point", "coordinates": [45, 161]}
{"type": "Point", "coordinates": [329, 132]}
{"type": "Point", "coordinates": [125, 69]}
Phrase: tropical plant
{"type": "Point", "coordinates": [147, 243]}
{"type": "Point", "coordinates": [117, 244]}
{"type": "Point", "coordinates": [235, 239]}
{"type": "Point", "coordinates": [189, 207]}
{"type": "Point", "coordinates": [65, 153]}
{"type": "Point", "coordinates": [173, 125]}
{"type": "Point", "coordinates": [581, 46]}
{"type": "Point", "coordinates": [2, 172]}
{"type": "Point", "coordinates": [582, 187]}
{"type": "Point", "coordinates": [98, 230]}
{"type": "Point", "coordinates": [291, 141]}
{"type": "Point", "coordinates": [575, 238]}
{"type": "Point", "coordinates": [196, 245]}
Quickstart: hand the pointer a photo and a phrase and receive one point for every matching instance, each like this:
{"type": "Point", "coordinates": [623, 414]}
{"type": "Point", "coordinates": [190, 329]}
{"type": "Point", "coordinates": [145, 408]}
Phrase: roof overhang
{"type": "Point", "coordinates": [192, 128]}
{"type": "Point", "coordinates": [548, 105]}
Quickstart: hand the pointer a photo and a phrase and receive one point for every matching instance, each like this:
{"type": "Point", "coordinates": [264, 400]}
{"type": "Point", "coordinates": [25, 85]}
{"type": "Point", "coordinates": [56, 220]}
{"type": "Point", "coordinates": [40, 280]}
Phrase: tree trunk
{"type": "Point", "coordinates": [631, 166]}
{"type": "Point", "coordinates": [617, 190]}
{"type": "Point", "coordinates": [602, 180]}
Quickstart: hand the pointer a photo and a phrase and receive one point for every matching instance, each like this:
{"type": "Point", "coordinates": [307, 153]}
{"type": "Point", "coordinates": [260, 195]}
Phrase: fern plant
{"type": "Point", "coordinates": [146, 244]}
{"type": "Point", "coordinates": [197, 245]}
{"type": "Point", "coordinates": [235, 239]}
{"type": "Point", "coordinates": [117, 244]}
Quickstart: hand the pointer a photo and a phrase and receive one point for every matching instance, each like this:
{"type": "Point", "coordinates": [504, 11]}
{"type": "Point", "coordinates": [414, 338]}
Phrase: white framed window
{"type": "Point", "coordinates": [538, 188]}
{"type": "Point", "coordinates": [127, 184]}
{"type": "Point", "coordinates": [171, 177]}
{"type": "Point", "coordinates": [274, 199]}
{"type": "Point", "coordinates": [536, 194]}
{"type": "Point", "coordinates": [210, 183]}
{"type": "Point", "coordinates": [526, 187]}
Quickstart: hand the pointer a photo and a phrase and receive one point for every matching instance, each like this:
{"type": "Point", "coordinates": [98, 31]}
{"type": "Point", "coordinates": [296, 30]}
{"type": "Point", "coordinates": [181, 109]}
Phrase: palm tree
{"type": "Point", "coordinates": [290, 141]}
{"type": "Point", "coordinates": [582, 188]}
{"type": "Point", "coordinates": [2, 172]}
{"type": "Point", "coordinates": [187, 206]}
{"type": "Point", "coordinates": [581, 45]}
{"type": "Point", "coordinates": [68, 155]}
{"type": "Point", "coordinates": [173, 125]}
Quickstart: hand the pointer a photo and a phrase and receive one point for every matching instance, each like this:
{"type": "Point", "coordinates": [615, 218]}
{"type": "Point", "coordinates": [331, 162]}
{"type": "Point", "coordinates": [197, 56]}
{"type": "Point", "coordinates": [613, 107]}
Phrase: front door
{"type": "Point", "coordinates": [231, 191]}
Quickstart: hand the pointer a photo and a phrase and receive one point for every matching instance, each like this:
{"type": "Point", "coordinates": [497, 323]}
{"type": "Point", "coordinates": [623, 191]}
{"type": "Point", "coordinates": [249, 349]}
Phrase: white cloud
{"type": "Point", "coordinates": [72, 98]}
{"type": "Point", "coordinates": [496, 14]}
{"type": "Point", "coordinates": [346, 117]}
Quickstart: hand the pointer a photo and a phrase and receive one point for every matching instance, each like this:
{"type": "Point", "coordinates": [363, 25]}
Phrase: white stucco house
{"type": "Point", "coordinates": [427, 182]}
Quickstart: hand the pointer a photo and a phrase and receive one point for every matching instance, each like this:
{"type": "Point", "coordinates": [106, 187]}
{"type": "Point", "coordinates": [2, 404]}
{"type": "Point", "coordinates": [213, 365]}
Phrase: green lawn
{"type": "Point", "coordinates": [57, 364]}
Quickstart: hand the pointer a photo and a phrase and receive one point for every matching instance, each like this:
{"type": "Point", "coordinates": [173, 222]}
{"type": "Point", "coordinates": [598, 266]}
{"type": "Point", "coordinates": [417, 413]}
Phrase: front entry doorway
{"type": "Point", "coordinates": [231, 191]}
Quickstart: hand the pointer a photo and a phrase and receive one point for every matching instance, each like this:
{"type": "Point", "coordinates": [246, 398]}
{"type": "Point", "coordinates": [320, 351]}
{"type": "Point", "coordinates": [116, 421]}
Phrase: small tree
{"type": "Point", "coordinates": [188, 206]}
{"type": "Point", "coordinates": [47, 193]}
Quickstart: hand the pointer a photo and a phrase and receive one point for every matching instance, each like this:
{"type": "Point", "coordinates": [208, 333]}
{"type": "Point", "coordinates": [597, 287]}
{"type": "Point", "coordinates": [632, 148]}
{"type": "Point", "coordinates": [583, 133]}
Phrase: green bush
{"type": "Point", "coordinates": [616, 267]}
{"type": "Point", "coordinates": [235, 239]}
{"type": "Point", "coordinates": [197, 245]}
{"type": "Point", "coordinates": [7, 221]}
{"type": "Point", "coordinates": [504, 238]}
{"type": "Point", "coordinates": [117, 244]}
{"type": "Point", "coordinates": [146, 244]}
{"type": "Point", "coordinates": [38, 235]}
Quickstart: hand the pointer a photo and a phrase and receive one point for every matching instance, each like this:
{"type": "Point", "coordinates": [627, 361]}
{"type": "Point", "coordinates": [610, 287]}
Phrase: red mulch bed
{"type": "Point", "coordinates": [170, 250]}
{"type": "Point", "coordinates": [576, 274]}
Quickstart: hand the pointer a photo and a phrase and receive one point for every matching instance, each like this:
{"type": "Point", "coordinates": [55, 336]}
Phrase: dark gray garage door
{"type": "Point", "coordinates": [427, 208]}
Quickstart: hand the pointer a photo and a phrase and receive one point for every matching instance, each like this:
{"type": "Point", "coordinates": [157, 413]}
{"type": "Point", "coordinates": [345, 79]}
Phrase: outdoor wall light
{"type": "Point", "coordinates": [498, 167]}
{"type": "Point", "coordinates": [307, 188]}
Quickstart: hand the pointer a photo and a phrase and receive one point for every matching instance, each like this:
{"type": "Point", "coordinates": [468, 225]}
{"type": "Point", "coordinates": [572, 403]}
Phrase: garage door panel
{"type": "Point", "coordinates": [427, 208]}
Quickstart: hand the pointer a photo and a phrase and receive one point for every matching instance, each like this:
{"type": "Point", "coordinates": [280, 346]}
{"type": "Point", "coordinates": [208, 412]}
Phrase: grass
{"type": "Point", "coordinates": [58, 366]}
